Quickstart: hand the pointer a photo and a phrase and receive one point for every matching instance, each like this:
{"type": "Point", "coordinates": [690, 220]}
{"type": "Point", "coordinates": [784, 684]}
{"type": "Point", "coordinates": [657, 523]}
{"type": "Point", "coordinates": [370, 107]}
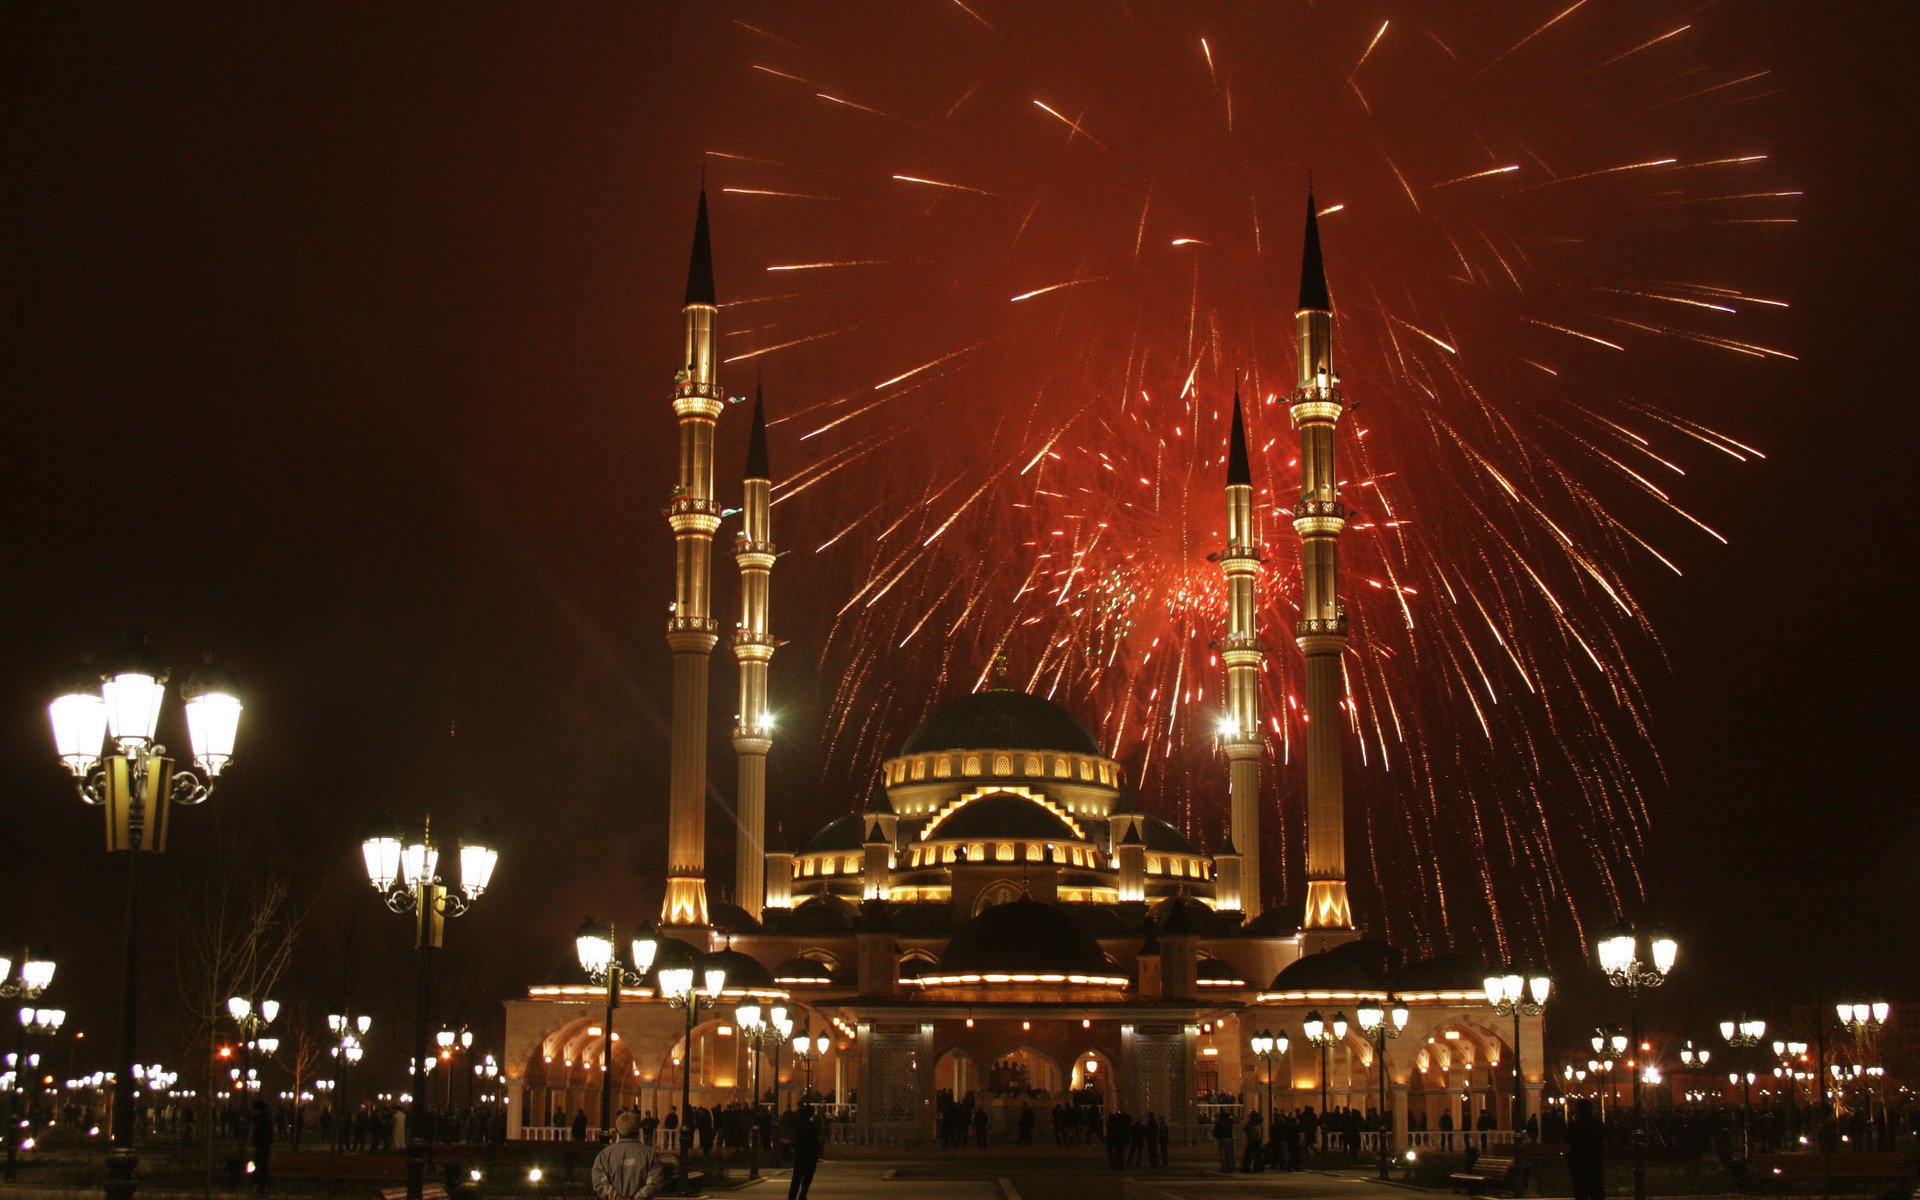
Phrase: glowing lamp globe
{"type": "Point", "coordinates": [134, 690]}
{"type": "Point", "coordinates": [213, 717]}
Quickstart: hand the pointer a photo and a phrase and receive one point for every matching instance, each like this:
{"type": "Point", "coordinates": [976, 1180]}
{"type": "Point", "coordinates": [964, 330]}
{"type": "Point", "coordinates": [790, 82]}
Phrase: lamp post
{"type": "Point", "coordinates": [250, 1020]}
{"type": "Point", "coordinates": [595, 945]}
{"type": "Point", "coordinates": [806, 1050]}
{"type": "Point", "coordinates": [1619, 954]}
{"type": "Point", "coordinates": [348, 1031]}
{"type": "Point", "coordinates": [104, 727]}
{"type": "Point", "coordinates": [1269, 1047]}
{"type": "Point", "coordinates": [1324, 1035]}
{"type": "Point", "coordinates": [1514, 996]}
{"type": "Point", "coordinates": [406, 874]}
{"type": "Point", "coordinates": [1380, 1025]}
{"type": "Point", "coordinates": [757, 1033]}
{"type": "Point", "coordinates": [678, 990]}
{"type": "Point", "coordinates": [36, 974]}
{"type": "Point", "coordinates": [1743, 1033]}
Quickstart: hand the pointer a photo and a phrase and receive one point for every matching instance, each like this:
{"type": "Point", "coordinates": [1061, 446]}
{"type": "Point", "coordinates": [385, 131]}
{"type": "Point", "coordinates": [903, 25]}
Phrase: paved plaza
{"type": "Point", "coordinates": [1049, 1176]}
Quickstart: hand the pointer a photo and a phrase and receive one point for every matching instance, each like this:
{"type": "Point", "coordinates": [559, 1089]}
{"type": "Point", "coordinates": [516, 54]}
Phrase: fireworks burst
{"type": "Point", "coordinates": [1032, 251]}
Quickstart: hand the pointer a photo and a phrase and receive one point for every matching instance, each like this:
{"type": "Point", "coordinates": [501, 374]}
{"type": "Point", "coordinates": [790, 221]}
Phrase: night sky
{"type": "Point", "coordinates": [337, 341]}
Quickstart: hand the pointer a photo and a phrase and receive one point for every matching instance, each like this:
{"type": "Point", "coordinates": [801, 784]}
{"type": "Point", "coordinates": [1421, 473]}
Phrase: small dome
{"type": "Point", "coordinates": [802, 971]}
{"type": "Point", "coordinates": [1001, 815]}
{"type": "Point", "coordinates": [1024, 938]}
{"type": "Point", "coordinates": [1274, 922]}
{"type": "Point", "coordinates": [744, 973]}
{"type": "Point", "coordinates": [670, 952]}
{"type": "Point", "coordinates": [841, 833]}
{"type": "Point", "coordinates": [820, 916]}
{"type": "Point", "coordinates": [1442, 973]}
{"type": "Point", "coordinates": [1330, 974]}
{"type": "Point", "coordinates": [731, 918]}
{"type": "Point", "coordinates": [1186, 915]}
{"type": "Point", "coordinates": [1001, 719]}
{"type": "Point", "coordinates": [1214, 973]}
{"type": "Point", "coordinates": [1165, 838]}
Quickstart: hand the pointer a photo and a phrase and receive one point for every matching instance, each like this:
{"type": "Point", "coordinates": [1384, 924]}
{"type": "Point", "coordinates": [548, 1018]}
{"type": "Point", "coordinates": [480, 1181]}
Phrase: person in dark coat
{"type": "Point", "coordinates": [1251, 1159]}
{"type": "Point", "coordinates": [1587, 1153]}
{"type": "Point", "coordinates": [261, 1134]}
{"type": "Point", "coordinates": [1223, 1140]}
{"type": "Point", "coordinates": [807, 1148]}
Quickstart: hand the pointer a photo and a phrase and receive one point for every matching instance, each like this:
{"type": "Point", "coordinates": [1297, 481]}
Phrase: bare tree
{"type": "Point", "coordinates": [238, 942]}
{"type": "Point", "coordinates": [305, 1046]}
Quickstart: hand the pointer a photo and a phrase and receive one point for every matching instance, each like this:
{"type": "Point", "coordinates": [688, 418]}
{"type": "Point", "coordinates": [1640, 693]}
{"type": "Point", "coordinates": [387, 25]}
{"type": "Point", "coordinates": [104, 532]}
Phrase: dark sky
{"type": "Point", "coordinates": [335, 340]}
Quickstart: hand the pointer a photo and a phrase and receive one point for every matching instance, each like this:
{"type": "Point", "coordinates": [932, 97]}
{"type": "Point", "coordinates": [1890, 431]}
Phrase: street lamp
{"type": "Point", "coordinates": [806, 1050]}
{"type": "Point", "coordinates": [348, 1031]}
{"type": "Point", "coordinates": [1619, 954]}
{"type": "Point", "coordinates": [1380, 1024]}
{"type": "Point", "coordinates": [406, 874]}
{"type": "Point", "coordinates": [757, 1033]}
{"type": "Point", "coordinates": [1269, 1047]}
{"type": "Point", "coordinates": [597, 948]}
{"type": "Point", "coordinates": [1514, 996]}
{"type": "Point", "coordinates": [1743, 1033]}
{"type": "Point", "coordinates": [104, 727]}
{"type": "Point", "coordinates": [1325, 1036]}
{"type": "Point", "coordinates": [677, 988]}
{"type": "Point", "coordinates": [1694, 1059]}
{"type": "Point", "coordinates": [36, 974]}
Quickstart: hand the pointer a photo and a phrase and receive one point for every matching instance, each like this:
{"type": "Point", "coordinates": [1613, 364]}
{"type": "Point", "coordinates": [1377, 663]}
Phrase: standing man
{"type": "Point", "coordinates": [1587, 1153]}
{"type": "Point", "coordinates": [807, 1146]}
{"type": "Point", "coordinates": [625, 1169]}
{"type": "Point", "coordinates": [1223, 1139]}
{"type": "Point", "coordinates": [1253, 1160]}
{"type": "Point", "coordinates": [261, 1131]}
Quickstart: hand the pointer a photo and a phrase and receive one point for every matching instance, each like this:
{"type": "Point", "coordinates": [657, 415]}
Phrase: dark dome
{"type": "Point", "coordinates": [1443, 973]}
{"type": "Point", "coordinates": [1274, 922]}
{"type": "Point", "coordinates": [1024, 937]}
{"type": "Point", "coordinates": [1002, 815]}
{"type": "Point", "coordinates": [1161, 836]}
{"type": "Point", "coordinates": [1337, 974]}
{"type": "Point", "coordinates": [670, 952]}
{"type": "Point", "coordinates": [731, 918]}
{"type": "Point", "coordinates": [821, 916]}
{"type": "Point", "coordinates": [841, 833]}
{"type": "Point", "coordinates": [1213, 972]}
{"type": "Point", "coordinates": [1001, 720]}
{"type": "Point", "coordinates": [743, 972]}
{"type": "Point", "coordinates": [1188, 915]}
{"type": "Point", "coordinates": [802, 970]}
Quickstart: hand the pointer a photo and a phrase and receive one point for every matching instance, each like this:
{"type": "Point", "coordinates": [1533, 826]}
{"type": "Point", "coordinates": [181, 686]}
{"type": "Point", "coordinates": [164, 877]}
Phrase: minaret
{"type": "Point", "coordinates": [1322, 633]}
{"type": "Point", "coordinates": [753, 647]}
{"type": "Point", "coordinates": [1242, 652]}
{"type": "Point", "coordinates": [691, 630]}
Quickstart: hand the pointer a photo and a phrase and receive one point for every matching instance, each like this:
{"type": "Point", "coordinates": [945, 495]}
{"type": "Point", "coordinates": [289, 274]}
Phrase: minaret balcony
{"type": "Point", "coordinates": [753, 554]}
{"type": "Point", "coordinates": [1335, 626]}
{"type": "Point", "coordinates": [1319, 518]}
{"type": "Point", "coordinates": [701, 625]}
{"type": "Point", "coordinates": [1311, 404]}
{"type": "Point", "coordinates": [1236, 559]}
{"type": "Point", "coordinates": [1241, 651]}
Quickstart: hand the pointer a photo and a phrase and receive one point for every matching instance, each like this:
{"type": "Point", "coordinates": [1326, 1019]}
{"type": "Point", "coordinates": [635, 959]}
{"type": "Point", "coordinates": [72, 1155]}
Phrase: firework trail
{"type": "Point", "coordinates": [1009, 264]}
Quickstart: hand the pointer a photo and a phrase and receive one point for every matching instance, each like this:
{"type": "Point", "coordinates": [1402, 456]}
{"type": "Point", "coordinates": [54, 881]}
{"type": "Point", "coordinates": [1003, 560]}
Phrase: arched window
{"type": "Point", "coordinates": [1062, 769]}
{"type": "Point", "coordinates": [972, 766]}
{"type": "Point", "coordinates": [1002, 764]}
{"type": "Point", "coordinates": [1086, 769]}
{"type": "Point", "coordinates": [1003, 852]}
{"type": "Point", "coordinates": [1033, 852]}
{"type": "Point", "coordinates": [1000, 892]}
{"type": "Point", "coordinates": [919, 768]}
{"type": "Point", "coordinates": [1033, 764]}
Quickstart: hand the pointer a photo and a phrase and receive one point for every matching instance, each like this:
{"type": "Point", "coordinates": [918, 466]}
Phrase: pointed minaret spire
{"type": "Point", "coordinates": [1313, 271]}
{"type": "Point", "coordinates": [1319, 517]}
{"type": "Point", "coordinates": [692, 631]}
{"type": "Point", "coordinates": [1242, 653]}
{"type": "Point", "coordinates": [757, 440]}
{"type": "Point", "coordinates": [753, 649]}
{"type": "Point", "coordinates": [1239, 469]}
{"type": "Point", "coordinates": [700, 267]}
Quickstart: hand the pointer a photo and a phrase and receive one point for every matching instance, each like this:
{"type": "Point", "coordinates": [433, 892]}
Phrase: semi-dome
{"type": "Point", "coordinates": [1023, 941]}
{"type": "Point", "coordinates": [1330, 975]}
{"type": "Point", "coordinates": [1444, 973]}
{"type": "Point", "coordinates": [1001, 719]}
{"type": "Point", "coordinates": [744, 973]}
{"type": "Point", "coordinates": [1158, 835]}
{"type": "Point", "coordinates": [731, 918]}
{"type": "Point", "coordinates": [841, 833]}
{"type": "Point", "coordinates": [1002, 815]}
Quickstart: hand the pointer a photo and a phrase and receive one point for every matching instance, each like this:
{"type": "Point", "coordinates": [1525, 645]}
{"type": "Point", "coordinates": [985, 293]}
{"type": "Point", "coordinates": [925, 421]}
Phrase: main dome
{"type": "Point", "coordinates": [1001, 719]}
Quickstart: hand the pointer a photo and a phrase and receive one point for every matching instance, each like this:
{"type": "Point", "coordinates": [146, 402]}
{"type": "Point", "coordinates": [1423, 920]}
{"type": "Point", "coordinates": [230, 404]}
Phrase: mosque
{"type": "Point", "coordinates": [1000, 919]}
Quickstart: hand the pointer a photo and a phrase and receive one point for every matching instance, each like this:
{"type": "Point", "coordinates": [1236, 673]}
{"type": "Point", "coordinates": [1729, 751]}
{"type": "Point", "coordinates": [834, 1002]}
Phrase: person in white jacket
{"type": "Point", "coordinates": [627, 1170]}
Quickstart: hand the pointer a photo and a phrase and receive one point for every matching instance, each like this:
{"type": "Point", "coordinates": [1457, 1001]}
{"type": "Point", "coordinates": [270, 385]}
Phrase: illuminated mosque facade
{"type": "Point", "coordinates": [1000, 918]}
